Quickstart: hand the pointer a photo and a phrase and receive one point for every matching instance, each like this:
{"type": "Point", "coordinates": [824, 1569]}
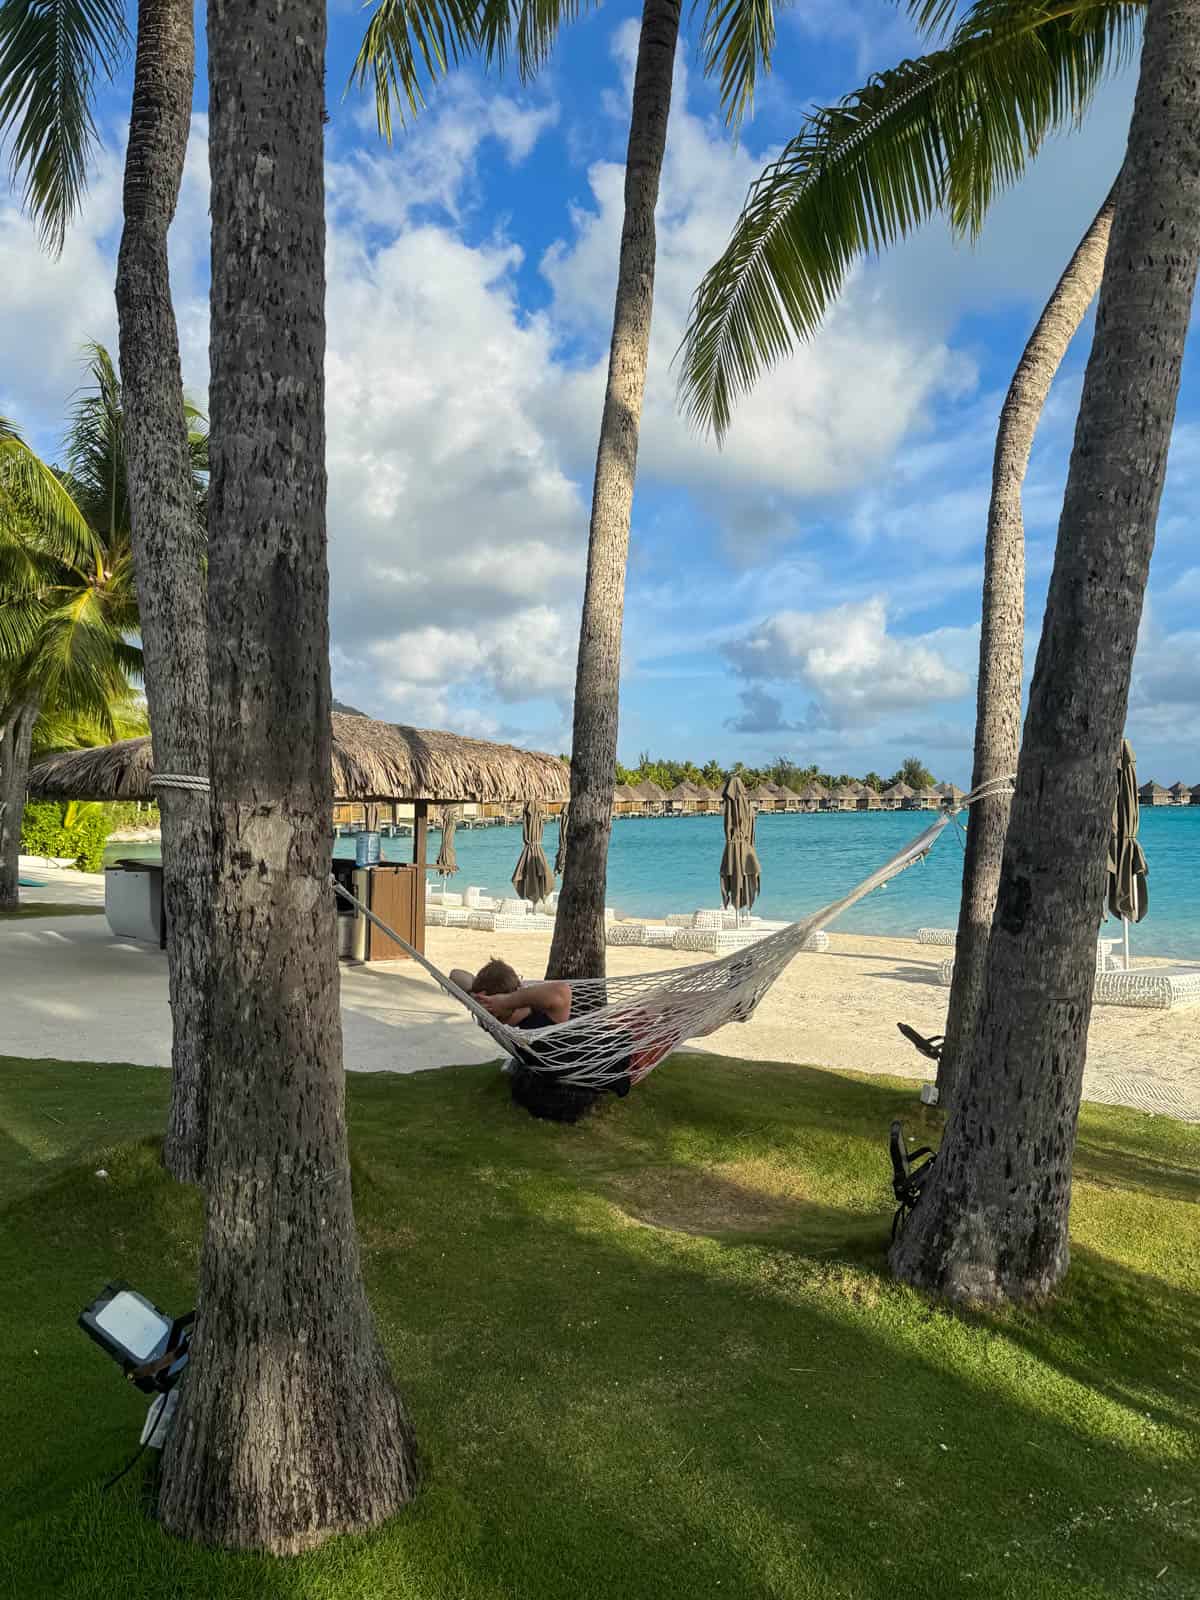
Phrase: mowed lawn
{"type": "Point", "coordinates": [654, 1355]}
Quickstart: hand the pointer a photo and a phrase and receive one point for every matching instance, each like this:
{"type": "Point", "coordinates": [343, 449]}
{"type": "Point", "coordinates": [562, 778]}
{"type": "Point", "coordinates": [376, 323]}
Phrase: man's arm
{"type": "Point", "coordinates": [552, 998]}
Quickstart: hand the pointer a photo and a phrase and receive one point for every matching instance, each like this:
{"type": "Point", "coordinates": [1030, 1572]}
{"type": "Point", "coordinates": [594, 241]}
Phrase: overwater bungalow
{"type": "Point", "coordinates": [684, 800]}
{"type": "Point", "coordinates": [844, 798]}
{"type": "Point", "coordinates": [1153, 794]}
{"type": "Point", "coordinates": [869, 799]}
{"type": "Point", "coordinates": [1181, 795]}
{"type": "Point", "coordinates": [812, 797]}
{"type": "Point", "coordinates": [785, 799]}
{"type": "Point", "coordinates": [655, 798]}
{"type": "Point", "coordinates": [951, 795]}
{"type": "Point", "coordinates": [897, 797]}
{"type": "Point", "coordinates": [764, 797]}
{"type": "Point", "coordinates": [627, 803]}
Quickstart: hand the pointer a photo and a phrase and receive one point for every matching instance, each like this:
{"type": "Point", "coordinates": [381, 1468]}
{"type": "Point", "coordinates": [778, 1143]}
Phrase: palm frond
{"type": "Point", "coordinates": [46, 500]}
{"type": "Point", "coordinates": [51, 54]}
{"type": "Point", "coordinates": [737, 38]}
{"type": "Point", "coordinates": [94, 447]}
{"type": "Point", "coordinates": [932, 17]}
{"type": "Point", "coordinates": [409, 45]}
{"type": "Point", "coordinates": [947, 131]}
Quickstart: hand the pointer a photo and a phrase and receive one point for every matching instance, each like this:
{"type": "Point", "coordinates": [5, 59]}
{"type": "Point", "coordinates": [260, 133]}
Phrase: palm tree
{"type": "Point", "coordinates": [735, 40]}
{"type": "Point", "coordinates": [992, 1224]}
{"type": "Point", "coordinates": [67, 603]}
{"type": "Point", "coordinates": [290, 1428]}
{"type": "Point", "coordinates": [944, 132]}
{"type": "Point", "coordinates": [52, 55]}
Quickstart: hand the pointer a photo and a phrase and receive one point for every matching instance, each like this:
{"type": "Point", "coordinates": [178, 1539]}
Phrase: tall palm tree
{"type": "Point", "coordinates": [944, 132]}
{"type": "Point", "coordinates": [737, 38]}
{"type": "Point", "coordinates": [992, 1224]}
{"type": "Point", "coordinates": [67, 605]}
{"type": "Point", "coordinates": [290, 1428]}
{"type": "Point", "coordinates": [52, 55]}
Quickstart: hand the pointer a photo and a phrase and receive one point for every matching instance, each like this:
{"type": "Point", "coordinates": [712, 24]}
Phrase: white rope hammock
{"type": "Point", "coordinates": [621, 1028]}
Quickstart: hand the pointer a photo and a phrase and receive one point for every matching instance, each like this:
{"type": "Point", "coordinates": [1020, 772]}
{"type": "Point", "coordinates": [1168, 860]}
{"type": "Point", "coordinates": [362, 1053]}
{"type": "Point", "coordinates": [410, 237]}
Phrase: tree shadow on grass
{"type": "Point", "coordinates": [1129, 1164]}
{"type": "Point", "coordinates": [611, 1405]}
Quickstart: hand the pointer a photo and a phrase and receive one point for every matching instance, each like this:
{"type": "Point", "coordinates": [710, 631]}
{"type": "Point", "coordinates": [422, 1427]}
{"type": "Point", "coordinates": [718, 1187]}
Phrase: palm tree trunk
{"type": "Point", "coordinates": [1002, 637]}
{"type": "Point", "coordinates": [993, 1222]}
{"type": "Point", "coordinates": [290, 1429]}
{"type": "Point", "coordinates": [578, 950]}
{"type": "Point", "coordinates": [166, 550]}
{"type": "Point", "coordinates": [16, 737]}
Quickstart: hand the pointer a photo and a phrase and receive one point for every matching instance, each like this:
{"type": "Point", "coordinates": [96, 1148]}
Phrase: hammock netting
{"type": "Point", "coordinates": [621, 1028]}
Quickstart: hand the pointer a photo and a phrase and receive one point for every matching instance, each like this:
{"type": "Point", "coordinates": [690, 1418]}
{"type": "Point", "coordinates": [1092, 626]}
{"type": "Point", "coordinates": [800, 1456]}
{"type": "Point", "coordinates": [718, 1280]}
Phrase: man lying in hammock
{"type": "Point", "coordinates": [529, 1006]}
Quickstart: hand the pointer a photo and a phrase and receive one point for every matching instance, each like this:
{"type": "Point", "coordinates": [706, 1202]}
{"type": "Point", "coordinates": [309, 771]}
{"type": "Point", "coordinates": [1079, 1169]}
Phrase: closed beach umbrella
{"type": "Point", "coordinates": [446, 864]}
{"type": "Point", "coordinates": [560, 855]}
{"type": "Point", "coordinates": [1128, 897]}
{"type": "Point", "coordinates": [533, 879]}
{"type": "Point", "coordinates": [740, 871]}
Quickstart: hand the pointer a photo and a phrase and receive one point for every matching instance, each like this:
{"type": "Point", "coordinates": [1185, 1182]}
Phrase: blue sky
{"type": "Point", "coordinates": [811, 590]}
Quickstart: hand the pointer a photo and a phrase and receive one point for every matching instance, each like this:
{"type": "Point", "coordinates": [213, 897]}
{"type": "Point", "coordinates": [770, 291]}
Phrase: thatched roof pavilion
{"type": "Point", "coordinates": [652, 793]}
{"type": "Point", "coordinates": [372, 761]}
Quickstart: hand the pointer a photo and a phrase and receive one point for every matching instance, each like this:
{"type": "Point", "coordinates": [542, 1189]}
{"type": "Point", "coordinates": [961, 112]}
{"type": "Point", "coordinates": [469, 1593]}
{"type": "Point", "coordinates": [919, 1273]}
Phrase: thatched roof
{"type": "Point", "coordinates": [649, 790]}
{"type": "Point", "coordinates": [951, 791]}
{"type": "Point", "coordinates": [371, 761]}
{"type": "Point", "coordinates": [1152, 788]}
{"type": "Point", "coordinates": [1180, 788]}
{"type": "Point", "coordinates": [813, 791]}
{"type": "Point", "coordinates": [846, 792]}
{"type": "Point", "coordinates": [624, 792]}
{"type": "Point", "coordinates": [900, 791]}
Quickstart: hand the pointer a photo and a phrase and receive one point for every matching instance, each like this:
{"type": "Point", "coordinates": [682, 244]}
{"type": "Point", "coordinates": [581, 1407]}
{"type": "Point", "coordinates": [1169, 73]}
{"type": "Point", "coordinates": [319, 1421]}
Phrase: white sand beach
{"type": "Point", "coordinates": [72, 991]}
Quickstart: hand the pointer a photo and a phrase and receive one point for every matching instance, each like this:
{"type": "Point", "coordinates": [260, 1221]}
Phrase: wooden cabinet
{"type": "Point", "coordinates": [397, 894]}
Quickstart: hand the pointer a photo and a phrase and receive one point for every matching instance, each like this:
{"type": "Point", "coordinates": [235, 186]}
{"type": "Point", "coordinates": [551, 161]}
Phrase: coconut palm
{"type": "Point", "coordinates": [992, 1224]}
{"type": "Point", "coordinates": [737, 37]}
{"type": "Point", "coordinates": [945, 132]}
{"type": "Point", "coordinates": [281, 1285]}
{"type": "Point", "coordinates": [53, 55]}
{"type": "Point", "coordinates": [67, 611]}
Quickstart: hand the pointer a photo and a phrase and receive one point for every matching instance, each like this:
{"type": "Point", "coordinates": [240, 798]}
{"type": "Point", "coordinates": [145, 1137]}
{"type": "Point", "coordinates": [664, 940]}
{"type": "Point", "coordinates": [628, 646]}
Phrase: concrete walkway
{"type": "Point", "coordinates": [69, 990]}
{"type": "Point", "coordinates": [72, 992]}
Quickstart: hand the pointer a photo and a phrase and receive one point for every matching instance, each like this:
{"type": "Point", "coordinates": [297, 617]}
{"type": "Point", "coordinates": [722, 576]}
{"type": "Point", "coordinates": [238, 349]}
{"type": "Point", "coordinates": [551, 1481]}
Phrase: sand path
{"type": "Point", "coordinates": [69, 990]}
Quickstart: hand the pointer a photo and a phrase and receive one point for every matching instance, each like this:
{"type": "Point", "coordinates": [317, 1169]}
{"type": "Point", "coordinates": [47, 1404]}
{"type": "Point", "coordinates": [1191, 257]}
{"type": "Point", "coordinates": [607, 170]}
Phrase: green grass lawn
{"type": "Point", "coordinates": [654, 1355]}
{"type": "Point", "coordinates": [49, 908]}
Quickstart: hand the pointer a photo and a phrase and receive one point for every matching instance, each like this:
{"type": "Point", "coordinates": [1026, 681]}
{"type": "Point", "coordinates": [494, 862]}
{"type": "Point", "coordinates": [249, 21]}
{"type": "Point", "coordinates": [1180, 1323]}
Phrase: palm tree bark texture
{"type": "Point", "coordinates": [16, 737]}
{"type": "Point", "coordinates": [578, 948]}
{"type": "Point", "coordinates": [992, 1222]}
{"type": "Point", "coordinates": [166, 551]}
{"type": "Point", "coordinates": [1002, 636]}
{"type": "Point", "coordinates": [290, 1428]}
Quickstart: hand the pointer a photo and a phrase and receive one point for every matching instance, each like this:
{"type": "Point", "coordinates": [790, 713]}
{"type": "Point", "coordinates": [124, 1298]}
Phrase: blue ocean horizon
{"type": "Point", "coordinates": [666, 865]}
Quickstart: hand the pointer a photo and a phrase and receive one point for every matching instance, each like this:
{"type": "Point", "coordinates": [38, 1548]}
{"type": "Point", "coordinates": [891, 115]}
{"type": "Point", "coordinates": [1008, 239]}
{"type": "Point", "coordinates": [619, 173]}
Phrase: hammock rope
{"type": "Point", "coordinates": [621, 1028]}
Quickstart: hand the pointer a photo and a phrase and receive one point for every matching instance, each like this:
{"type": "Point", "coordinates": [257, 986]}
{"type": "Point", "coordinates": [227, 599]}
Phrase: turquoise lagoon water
{"type": "Point", "coordinates": [670, 864]}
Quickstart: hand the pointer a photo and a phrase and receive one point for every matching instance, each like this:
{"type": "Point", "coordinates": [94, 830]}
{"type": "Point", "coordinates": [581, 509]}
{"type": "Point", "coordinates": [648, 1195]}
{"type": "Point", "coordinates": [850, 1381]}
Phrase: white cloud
{"type": "Point", "coordinates": [855, 670]}
{"type": "Point", "coordinates": [817, 424]}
